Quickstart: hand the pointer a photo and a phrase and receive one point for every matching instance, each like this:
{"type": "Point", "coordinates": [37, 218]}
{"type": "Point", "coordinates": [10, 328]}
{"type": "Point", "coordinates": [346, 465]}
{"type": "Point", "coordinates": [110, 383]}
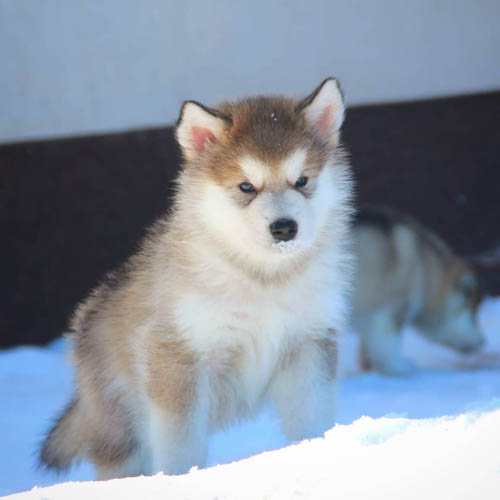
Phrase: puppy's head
{"type": "Point", "coordinates": [268, 172]}
{"type": "Point", "coordinates": [452, 320]}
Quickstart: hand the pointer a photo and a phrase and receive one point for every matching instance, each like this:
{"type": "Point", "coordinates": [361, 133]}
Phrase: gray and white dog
{"type": "Point", "coordinates": [406, 274]}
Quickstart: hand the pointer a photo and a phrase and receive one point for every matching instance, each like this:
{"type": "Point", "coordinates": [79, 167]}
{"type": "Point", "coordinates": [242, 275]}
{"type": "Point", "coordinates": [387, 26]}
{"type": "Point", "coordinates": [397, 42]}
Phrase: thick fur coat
{"type": "Point", "coordinates": [234, 298]}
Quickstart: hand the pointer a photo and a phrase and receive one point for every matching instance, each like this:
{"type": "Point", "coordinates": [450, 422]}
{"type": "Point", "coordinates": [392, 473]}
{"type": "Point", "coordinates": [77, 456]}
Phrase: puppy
{"type": "Point", "coordinates": [234, 298]}
{"type": "Point", "coordinates": [406, 274]}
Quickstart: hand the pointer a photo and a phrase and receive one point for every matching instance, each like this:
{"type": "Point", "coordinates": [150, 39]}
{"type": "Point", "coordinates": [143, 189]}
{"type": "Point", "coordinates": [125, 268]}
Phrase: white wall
{"type": "Point", "coordinates": [78, 66]}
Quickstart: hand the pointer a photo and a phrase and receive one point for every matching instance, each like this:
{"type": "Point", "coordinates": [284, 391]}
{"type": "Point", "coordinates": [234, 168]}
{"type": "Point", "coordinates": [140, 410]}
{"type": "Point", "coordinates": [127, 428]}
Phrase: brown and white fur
{"type": "Point", "coordinates": [407, 275]}
{"type": "Point", "coordinates": [221, 308]}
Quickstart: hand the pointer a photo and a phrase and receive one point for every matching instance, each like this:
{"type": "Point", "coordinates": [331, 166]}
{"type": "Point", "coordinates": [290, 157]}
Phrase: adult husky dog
{"type": "Point", "coordinates": [407, 275]}
{"type": "Point", "coordinates": [235, 296]}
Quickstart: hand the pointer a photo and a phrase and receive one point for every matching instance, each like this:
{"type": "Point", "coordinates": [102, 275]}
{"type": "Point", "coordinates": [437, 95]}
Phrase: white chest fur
{"type": "Point", "coordinates": [219, 314]}
{"type": "Point", "coordinates": [247, 327]}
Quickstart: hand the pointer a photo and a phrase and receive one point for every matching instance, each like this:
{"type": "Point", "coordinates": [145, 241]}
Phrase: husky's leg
{"type": "Point", "coordinates": [303, 391]}
{"type": "Point", "coordinates": [177, 442]}
{"type": "Point", "coordinates": [175, 426]}
{"type": "Point", "coordinates": [381, 344]}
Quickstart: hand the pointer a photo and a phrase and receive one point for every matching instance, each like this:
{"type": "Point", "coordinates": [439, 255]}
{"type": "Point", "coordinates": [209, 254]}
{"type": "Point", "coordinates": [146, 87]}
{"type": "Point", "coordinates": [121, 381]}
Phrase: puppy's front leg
{"type": "Point", "coordinates": [381, 348]}
{"type": "Point", "coordinates": [177, 416]}
{"type": "Point", "coordinates": [177, 442]}
{"type": "Point", "coordinates": [303, 389]}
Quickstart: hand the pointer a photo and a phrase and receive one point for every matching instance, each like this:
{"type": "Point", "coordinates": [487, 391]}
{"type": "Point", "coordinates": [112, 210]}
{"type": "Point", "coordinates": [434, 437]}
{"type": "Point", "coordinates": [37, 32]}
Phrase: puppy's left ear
{"type": "Point", "coordinates": [198, 127]}
{"type": "Point", "coordinates": [324, 109]}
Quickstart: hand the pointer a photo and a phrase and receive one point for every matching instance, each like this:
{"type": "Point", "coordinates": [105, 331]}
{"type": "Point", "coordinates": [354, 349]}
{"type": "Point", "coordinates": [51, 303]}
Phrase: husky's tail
{"type": "Point", "coordinates": [62, 444]}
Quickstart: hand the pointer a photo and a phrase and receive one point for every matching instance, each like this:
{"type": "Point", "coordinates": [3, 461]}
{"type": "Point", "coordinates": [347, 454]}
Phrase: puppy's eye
{"type": "Point", "coordinates": [246, 187]}
{"type": "Point", "coordinates": [301, 181]}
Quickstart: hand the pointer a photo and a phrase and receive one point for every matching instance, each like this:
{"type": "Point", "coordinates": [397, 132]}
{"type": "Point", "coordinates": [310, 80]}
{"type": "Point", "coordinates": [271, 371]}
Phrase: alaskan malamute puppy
{"type": "Point", "coordinates": [234, 298]}
{"type": "Point", "coordinates": [407, 275]}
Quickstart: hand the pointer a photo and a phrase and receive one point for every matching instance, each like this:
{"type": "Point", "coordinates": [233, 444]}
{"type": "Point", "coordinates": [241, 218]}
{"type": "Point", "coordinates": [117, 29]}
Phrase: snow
{"type": "Point", "coordinates": [285, 246]}
{"type": "Point", "coordinates": [289, 246]}
{"type": "Point", "coordinates": [433, 435]}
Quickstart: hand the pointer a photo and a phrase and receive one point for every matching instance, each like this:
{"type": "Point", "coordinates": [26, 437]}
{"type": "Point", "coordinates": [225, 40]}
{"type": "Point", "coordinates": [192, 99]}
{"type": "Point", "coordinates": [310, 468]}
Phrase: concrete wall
{"type": "Point", "coordinates": [75, 66]}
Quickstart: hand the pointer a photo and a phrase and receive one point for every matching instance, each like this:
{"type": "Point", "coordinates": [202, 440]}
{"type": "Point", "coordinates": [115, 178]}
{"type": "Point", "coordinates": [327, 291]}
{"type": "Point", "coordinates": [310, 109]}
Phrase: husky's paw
{"type": "Point", "coordinates": [399, 368]}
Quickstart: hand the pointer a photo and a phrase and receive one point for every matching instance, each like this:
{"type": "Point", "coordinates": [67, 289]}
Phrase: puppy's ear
{"type": "Point", "coordinates": [324, 109]}
{"type": "Point", "coordinates": [198, 127]}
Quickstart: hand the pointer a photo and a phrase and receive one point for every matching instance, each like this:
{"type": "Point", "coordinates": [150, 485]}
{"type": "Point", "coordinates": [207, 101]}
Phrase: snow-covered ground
{"type": "Point", "coordinates": [434, 435]}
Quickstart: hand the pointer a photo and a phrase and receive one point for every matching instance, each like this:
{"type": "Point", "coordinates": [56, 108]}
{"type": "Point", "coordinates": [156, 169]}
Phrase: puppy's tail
{"type": "Point", "coordinates": [62, 444]}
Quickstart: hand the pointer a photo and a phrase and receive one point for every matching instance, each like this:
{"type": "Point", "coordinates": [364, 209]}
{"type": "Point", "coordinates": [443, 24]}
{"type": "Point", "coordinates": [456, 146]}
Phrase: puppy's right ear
{"type": "Point", "coordinates": [198, 127]}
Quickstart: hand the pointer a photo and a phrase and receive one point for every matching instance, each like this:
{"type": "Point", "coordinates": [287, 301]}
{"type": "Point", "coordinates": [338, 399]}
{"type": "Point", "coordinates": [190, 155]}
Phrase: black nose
{"type": "Point", "coordinates": [283, 229]}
